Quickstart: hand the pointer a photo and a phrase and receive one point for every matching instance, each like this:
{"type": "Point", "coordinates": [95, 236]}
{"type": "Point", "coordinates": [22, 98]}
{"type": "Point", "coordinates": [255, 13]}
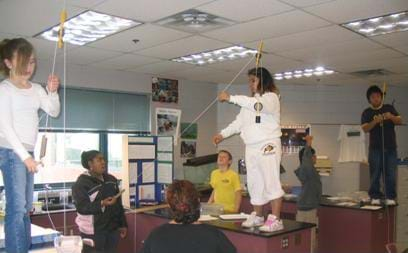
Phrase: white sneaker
{"type": "Point", "coordinates": [272, 224]}
{"type": "Point", "coordinates": [390, 202]}
{"type": "Point", "coordinates": [253, 221]}
{"type": "Point", "coordinates": [375, 202]}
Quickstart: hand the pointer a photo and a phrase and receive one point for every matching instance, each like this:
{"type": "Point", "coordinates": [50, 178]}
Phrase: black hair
{"type": "Point", "coordinates": [88, 156]}
{"type": "Point", "coordinates": [373, 89]}
{"type": "Point", "coordinates": [267, 83]}
{"type": "Point", "coordinates": [303, 151]}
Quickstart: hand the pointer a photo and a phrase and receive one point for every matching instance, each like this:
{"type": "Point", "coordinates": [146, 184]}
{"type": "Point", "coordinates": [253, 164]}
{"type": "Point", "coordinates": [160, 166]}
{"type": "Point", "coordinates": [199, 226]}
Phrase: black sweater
{"type": "Point", "coordinates": [88, 192]}
{"type": "Point", "coordinates": [307, 174]}
{"type": "Point", "coordinates": [187, 238]}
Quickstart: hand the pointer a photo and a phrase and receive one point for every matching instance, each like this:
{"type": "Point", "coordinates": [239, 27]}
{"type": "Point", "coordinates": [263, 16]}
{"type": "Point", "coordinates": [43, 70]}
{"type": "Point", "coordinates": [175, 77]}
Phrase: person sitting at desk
{"type": "Point", "coordinates": [184, 233]}
{"type": "Point", "coordinates": [96, 196]}
{"type": "Point", "coordinates": [226, 185]}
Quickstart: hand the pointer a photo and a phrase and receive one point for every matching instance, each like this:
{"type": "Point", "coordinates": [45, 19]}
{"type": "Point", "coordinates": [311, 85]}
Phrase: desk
{"type": "Point", "coordinates": [297, 234]}
{"type": "Point", "coordinates": [40, 237]}
{"type": "Point", "coordinates": [345, 228]}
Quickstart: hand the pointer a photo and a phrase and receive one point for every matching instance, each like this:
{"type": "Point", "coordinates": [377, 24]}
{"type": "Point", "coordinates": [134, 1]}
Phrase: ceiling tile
{"type": "Point", "coordinates": [162, 67]}
{"type": "Point", "coordinates": [242, 10]}
{"type": "Point", "coordinates": [206, 74]}
{"type": "Point", "coordinates": [395, 65]}
{"type": "Point", "coordinates": [190, 45]}
{"type": "Point", "coordinates": [147, 10]}
{"type": "Point", "coordinates": [321, 36]}
{"type": "Point", "coordinates": [305, 3]}
{"type": "Point", "coordinates": [397, 39]}
{"type": "Point", "coordinates": [87, 55]}
{"type": "Point", "coordinates": [342, 11]}
{"type": "Point", "coordinates": [45, 49]}
{"type": "Point", "coordinates": [328, 51]}
{"type": "Point", "coordinates": [268, 27]}
{"type": "Point", "coordinates": [271, 62]}
{"type": "Point", "coordinates": [148, 35]}
{"type": "Point", "coordinates": [125, 61]}
{"type": "Point", "coordinates": [83, 3]}
{"type": "Point", "coordinates": [363, 58]}
{"type": "Point", "coordinates": [37, 16]}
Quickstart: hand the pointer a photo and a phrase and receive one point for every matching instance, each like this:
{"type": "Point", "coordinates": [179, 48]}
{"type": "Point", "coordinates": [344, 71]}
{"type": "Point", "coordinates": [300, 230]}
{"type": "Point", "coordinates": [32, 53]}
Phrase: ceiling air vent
{"type": "Point", "coordinates": [371, 73]}
{"type": "Point", "coordinates": [194, 21]}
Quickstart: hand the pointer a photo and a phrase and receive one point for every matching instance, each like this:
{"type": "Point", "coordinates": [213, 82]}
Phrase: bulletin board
{"type": "Point", "coordinates": [148, 167]}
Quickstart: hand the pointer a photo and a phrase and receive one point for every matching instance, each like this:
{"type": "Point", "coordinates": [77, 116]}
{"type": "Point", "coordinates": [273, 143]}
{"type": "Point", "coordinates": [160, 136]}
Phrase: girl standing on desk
{"type": "Point", "coordinates": [259, 124]}
{"type": "Point", "coordinates": [20, 100]}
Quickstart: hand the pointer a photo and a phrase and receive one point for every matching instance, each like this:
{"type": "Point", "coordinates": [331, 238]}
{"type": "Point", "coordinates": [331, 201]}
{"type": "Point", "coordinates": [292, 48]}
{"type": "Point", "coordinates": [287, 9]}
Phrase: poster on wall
{"type": "Point", "coordinates": [164, 90]}
{"type": "Point", "coordinates": [189, 131]}
{"type": "Point", "coordinates": [188, 149]}
{"type": "Point", "coordinates": [168, 122]}
{"type": "Point", "coordinates": [293, 138]}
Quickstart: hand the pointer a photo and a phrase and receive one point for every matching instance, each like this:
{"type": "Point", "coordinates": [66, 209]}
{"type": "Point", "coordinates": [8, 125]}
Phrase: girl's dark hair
{"type": "Point", "coordinates": [266, 83]}
{"type": "Point", "coordinates": [88, 156]}
{"type": "Point", "coordinates": [23, 51]}
{"type": "Point", "coordinates": [373, 89]}
{"type": "Point", "coordinates": [184, 201]}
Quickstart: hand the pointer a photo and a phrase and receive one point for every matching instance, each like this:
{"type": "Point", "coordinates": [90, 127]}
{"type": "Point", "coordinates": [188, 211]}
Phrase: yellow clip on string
{"type": "Point", "coordinates": [384, 89]}
{"type": "Point", "coordinates": [63, 17]}
{"type": "Point", "coordinates": [259, 54]}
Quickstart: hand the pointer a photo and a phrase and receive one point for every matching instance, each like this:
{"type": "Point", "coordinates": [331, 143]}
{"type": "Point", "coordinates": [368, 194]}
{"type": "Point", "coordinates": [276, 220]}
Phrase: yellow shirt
{"type": "Point", "coordinates": [225, 184]}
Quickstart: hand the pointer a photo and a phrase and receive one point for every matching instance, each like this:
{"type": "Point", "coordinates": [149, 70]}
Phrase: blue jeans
{"type": "Point", "coordinates": [19, 187]}
{"type": "Point", "coordinates": [375, 159]}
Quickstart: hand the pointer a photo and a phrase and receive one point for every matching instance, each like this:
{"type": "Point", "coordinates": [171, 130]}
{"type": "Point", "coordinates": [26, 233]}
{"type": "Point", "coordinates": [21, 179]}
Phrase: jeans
{"type": "Point", "coordinates": [375, 159]}
{"type": "Point", "coordinates": [19, 187]}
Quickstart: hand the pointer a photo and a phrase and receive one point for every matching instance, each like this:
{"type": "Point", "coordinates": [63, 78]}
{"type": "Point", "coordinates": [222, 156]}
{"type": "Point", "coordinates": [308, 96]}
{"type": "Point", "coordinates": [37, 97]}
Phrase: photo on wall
{"type": "Point", "coordinates": [168, 122]}
{"type": "Point", "coordinates": [188, 149]}
{"type": "Point", "coordinates": [292, 138]}
{"type": "Point", "coordinates": [165, 90]}
{"type": "Point", "coordinates": [189, 131]}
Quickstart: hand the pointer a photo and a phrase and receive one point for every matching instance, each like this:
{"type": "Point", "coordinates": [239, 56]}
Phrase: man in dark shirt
{"type": "Point", "coordinates": [379, 121]}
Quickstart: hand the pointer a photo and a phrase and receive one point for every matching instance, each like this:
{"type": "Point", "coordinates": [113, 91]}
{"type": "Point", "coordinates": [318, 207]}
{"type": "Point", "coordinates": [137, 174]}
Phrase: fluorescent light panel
{"type": "Point", "coordinates": [87, 27]}
{"type": "Point", "coordinates": [396, 22]}
{"type": "Point", "coordinates": [318, 71]}
{"type": "Point", "coordinates": [216, 56]}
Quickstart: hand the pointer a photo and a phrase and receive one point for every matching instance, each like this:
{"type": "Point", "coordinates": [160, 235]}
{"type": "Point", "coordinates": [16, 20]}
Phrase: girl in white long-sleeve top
{"type": "Point", "coordinates": [20, 101]}
{"type": "Point", "coordinates": [258, 123]}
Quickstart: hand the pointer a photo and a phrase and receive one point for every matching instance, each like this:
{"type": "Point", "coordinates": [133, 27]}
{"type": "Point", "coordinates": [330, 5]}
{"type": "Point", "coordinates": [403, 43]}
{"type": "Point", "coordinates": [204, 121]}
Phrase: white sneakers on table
{"type": "Point", "coordinates": [387, 202]}
{"type": "Point", "coordinates": [253, 221]}
{"type": "Point", "coordinates": [271, 224]}
{"type": "Point", "coordinates": [390, 202]}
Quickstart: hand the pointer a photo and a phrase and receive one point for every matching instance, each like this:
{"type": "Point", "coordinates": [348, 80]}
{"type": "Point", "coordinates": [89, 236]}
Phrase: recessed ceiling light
{"type": "Point", "coordinates": [396, 22]}
{"type": "Point", "coordinates": [218, 55]}
{"type": "Point", "coordinates": [87, 27]}
{"type": "Point", "coordinates": [318, 71]}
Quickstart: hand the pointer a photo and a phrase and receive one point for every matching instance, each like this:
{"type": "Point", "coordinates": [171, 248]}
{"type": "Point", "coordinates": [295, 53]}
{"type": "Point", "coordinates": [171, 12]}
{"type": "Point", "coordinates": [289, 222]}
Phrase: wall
{"type": "Point", "coordinates": [319, 104]}
{"type": "Point", "coordinates": [193, 98]}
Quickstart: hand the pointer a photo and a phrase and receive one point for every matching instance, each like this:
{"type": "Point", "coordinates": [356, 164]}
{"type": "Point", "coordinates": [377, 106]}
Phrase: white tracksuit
{"type": "Point", "coordinates": [263, 175]}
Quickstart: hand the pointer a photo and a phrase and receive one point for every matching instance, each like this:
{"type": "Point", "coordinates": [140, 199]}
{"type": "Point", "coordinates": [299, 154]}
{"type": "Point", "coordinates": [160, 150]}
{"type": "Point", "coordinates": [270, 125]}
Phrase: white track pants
{"type": "Point", "coordinates": [263, 171]}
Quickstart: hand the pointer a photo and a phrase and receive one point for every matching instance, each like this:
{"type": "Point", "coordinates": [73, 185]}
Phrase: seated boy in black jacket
{"type": "Point", "coordinates": [101, 216]}
{"type": "Point", "coordinates": [309, 198]}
